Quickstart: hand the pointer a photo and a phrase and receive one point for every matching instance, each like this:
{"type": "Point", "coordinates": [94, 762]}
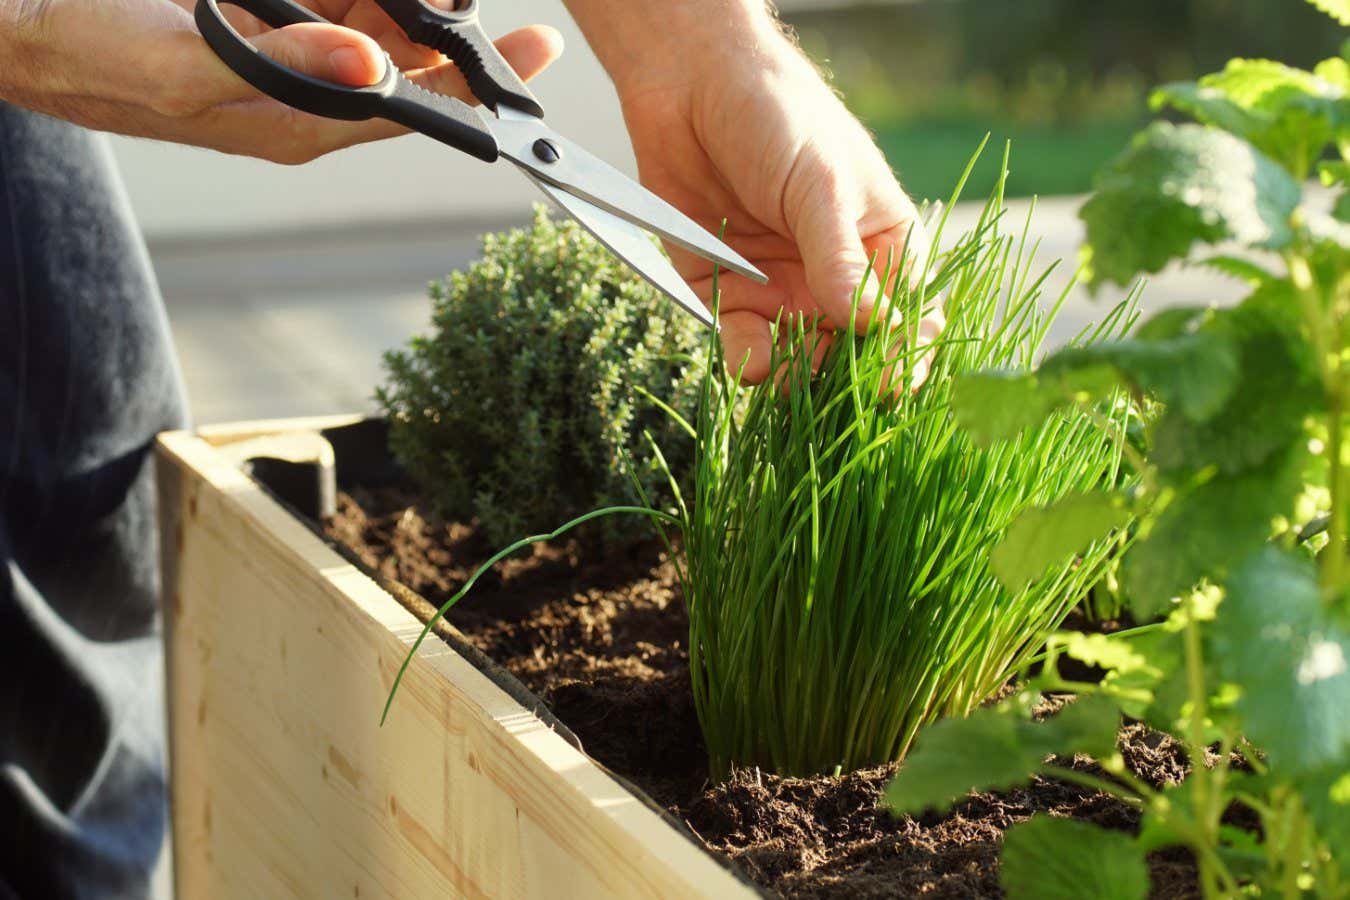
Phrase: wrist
{"type": "Point", "coordinates": [646, 45]}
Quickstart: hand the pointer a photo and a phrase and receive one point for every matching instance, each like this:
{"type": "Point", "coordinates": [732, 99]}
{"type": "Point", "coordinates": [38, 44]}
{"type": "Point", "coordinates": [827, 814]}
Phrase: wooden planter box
{"type": "Point", "coordinates": [280, 654]}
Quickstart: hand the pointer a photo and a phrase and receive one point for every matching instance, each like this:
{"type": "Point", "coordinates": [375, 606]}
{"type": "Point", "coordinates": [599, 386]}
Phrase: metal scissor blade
{"type": "Point", "coordinates": [590, 178]}
{"type": "Point", "coordinates": [630, 244]}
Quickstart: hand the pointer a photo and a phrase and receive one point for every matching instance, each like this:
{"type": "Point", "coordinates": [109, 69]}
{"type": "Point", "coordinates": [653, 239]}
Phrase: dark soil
{"type": "Point", "coordinates": [602, 642]}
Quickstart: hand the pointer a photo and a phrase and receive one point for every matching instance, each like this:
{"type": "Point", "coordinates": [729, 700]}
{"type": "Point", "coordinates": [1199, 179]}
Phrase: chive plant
{"type": "Point", "coordinates": [838, 576]}
{"type": "Point", "coordinates": [837, 568]}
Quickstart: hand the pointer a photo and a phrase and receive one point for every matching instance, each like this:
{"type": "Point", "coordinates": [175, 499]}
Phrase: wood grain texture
{"type": "Point", "coordinates": [280, 656]}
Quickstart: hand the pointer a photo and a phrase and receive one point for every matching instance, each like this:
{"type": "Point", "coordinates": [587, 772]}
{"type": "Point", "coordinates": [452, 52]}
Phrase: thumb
{"type": "Point", "coordinates": [318, 49]}
{"type": "Point", "coordinates": [328, 52]}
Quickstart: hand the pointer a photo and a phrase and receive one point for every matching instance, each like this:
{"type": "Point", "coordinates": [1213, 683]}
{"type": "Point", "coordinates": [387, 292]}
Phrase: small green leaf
{"type": "Point", "coordinates": [1274, 640]}
{"type": "Point", "coordinates": [1104, 651]}
{"type": "Point", "coordinates": [1337, 9]}
{"type": "Point", "coordinates": [1046, 536]}
{"type": "Point", "coordinates": [995, 749]}
{"type": "Point", "coordinates": [1046, 858]}
{"type": "Point", "coordinates": [1239, 268]}
{"type": "Point", "coordinates": [1177, 185]}
{"type": "Point", "coordinates": [1210, 530]}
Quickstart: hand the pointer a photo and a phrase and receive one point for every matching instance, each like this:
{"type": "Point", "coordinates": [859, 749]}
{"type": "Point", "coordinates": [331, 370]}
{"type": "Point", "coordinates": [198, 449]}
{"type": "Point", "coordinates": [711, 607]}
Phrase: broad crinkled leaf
{"type": "Point", "coordinates": [1265, 84]}
{"type": "Point", "coordinates": [1171, 322]}
{"type": "Point", "coordinates": [1326, 794]}
{"type": "Point", "coordinates": [1337, 9]}
{"type": "Point", "coordinates": [1208, 531]}
{"type": "Point", "coordinates": [995, 749]}
{"type": "Point", "coordinates": [1047, 858]}
{"type": "Point", "coordinates": [1046, 536]}
{"type": "Point", "coordinates": [1288, 113]}
{"type": "Point", "coordinates": [1193, 373]}
{"type": "Point", "coordinates": [1208, 106]}
{"type": "Point", "coordinates": [996, 406]}
{"type": "Point", "coordinates": [1277, 387]}
{"type": "Point", "coordinates": [1179, 184]}
{"type": "Point", "coordinates": [1274, 640]}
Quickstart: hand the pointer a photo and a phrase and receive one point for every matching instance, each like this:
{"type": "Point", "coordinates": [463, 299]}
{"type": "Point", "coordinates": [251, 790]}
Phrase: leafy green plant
{"type": "Point", "coordinates": [840, 588]}
{"type": "Point", "coordinates": [547, 363]}
{"type": "Point", "coordinates": [1242, 507]}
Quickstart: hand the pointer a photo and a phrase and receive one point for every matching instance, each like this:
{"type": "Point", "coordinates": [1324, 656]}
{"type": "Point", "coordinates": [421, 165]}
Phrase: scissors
{"type": "Point", "coordinates": [618, 211]}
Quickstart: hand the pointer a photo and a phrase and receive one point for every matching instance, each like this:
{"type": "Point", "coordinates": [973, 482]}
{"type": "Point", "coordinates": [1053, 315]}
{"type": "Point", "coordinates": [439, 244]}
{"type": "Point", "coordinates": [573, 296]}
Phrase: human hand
{"type": "Point", "coordinates": [139, 67]}
{"type": "Point", "coordinates": [729, 120]}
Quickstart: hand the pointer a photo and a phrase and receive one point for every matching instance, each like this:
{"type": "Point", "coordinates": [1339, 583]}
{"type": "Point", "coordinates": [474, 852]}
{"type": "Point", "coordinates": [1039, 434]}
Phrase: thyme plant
{"type": "Point", "coordinates": [1243, 507]}
{"type": "Point", "coordinates": [528, 402]}
{"type": "Point", "coordinates": [838, 577]}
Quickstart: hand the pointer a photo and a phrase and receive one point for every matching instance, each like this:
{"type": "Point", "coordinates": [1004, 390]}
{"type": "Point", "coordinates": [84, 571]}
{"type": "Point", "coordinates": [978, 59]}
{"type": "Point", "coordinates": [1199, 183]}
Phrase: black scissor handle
{"type": "Point", "coordinates": [394, 97]}
{"type": "Point", "coordinates": [460, 37]}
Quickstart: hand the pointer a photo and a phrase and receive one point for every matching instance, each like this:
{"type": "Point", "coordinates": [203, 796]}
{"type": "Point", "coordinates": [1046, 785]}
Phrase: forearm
{"type": "Point", "coordinates": [655, 41]}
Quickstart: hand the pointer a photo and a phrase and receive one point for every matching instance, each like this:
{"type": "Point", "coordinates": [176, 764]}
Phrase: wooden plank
{"type": "Point", "coordinates": [280, 655]}
{"type": "Point", "coordinates": [231, 432]}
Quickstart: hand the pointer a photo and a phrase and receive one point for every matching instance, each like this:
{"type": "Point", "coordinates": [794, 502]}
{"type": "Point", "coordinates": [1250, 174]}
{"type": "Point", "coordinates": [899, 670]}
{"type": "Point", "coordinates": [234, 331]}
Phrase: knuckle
{"type": "Point", "coordinates": [843, 266]}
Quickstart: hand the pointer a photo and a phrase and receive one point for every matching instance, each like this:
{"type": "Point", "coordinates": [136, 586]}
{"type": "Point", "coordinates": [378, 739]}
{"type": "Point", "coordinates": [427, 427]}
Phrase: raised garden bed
{"type": "Point", "coordinates": [281, 652]}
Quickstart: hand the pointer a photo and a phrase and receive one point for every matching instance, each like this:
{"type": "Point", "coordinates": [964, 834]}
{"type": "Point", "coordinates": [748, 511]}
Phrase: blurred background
{"type": "Point", "coordinates": [1067, 81]}
{"type": "Point", "coordinates": [285, 285]}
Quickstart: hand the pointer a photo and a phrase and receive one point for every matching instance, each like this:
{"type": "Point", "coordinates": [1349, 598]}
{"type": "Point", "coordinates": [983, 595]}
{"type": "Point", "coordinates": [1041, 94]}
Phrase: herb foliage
{"type": "Point", "coordinates": [838, 579]}
{"type": "Point", "coordinates": [528, 402]}
{"type": "Point", "coordinates": [1242, 508]}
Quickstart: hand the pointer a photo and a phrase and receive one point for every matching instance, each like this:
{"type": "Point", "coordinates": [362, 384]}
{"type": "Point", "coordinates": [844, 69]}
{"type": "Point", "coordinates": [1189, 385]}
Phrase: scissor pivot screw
{"type": "Point", "coordinates": [546, 151]}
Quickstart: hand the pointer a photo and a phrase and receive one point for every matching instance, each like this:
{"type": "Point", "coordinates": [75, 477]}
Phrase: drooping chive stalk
{"type": "Point", "coordinates": [837, 546]}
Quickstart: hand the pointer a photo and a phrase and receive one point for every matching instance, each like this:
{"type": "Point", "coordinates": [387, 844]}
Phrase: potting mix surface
{"type": "Point", "coordinates": [602, 641]}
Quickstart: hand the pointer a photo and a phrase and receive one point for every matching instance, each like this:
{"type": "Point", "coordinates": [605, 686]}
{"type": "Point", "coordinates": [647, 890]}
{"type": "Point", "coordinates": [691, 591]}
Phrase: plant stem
{"type": "Point", "coordinates": [1333, 571]}
{"type": "Point", "coordinates": [1324, 326]}
{"type": "Point", "coordinates": [498, 557]}
{"type": "Point", "coordinates": [1295, 838]}
{"type": "Point", "coordinates": [1200, 774]}
{"type": "Point", "coordinates": [1092, 783]}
